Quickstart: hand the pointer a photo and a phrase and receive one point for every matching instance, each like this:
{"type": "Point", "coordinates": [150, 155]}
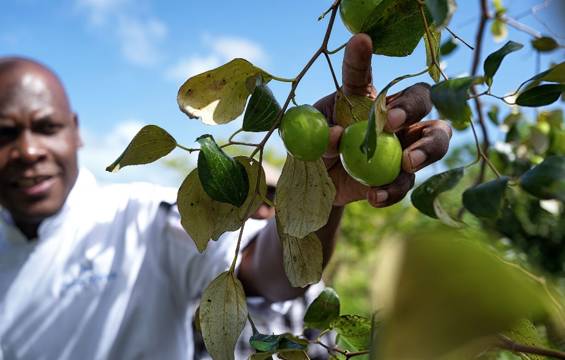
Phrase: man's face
{"type": "Point", "coordinates": [38, 144]}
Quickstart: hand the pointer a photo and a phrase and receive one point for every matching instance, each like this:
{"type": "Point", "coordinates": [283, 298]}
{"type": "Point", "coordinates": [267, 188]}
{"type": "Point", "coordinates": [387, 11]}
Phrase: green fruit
{"type": "Point", "coordinates": [382, 168]}
{"type": "Point", "coordinates": [305, 132]}
{"type": "Point", "coordinates": [354, 13]}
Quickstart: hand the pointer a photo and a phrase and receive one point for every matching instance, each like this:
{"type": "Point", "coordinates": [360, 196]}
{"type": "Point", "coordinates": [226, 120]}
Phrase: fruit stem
{"type": "Point", "coordinates": [190, 150]}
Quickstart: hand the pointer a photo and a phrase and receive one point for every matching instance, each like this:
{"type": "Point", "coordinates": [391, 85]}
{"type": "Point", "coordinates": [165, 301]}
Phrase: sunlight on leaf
{"type": "Point", "coordinates": [423, 196]}
{"type": "Point", "coordinates": [322, 310]}
{"type": "Point", "coordinates": [434, 41]}
{"type": "Point", "coordinates": [218, 96]}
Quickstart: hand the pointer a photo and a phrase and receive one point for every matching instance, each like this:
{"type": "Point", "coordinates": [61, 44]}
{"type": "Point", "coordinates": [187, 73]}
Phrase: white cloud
{"type": "Point", "coordinates": [222, 49]}
{"type": "Point", "coordinates": [192, 66]}
{"type": "Point", "coordinates": [139, 39]}
{"type": "Point", "coordinates": [138, 34]}
{"type": "Point", "coordinates": [101, 149]}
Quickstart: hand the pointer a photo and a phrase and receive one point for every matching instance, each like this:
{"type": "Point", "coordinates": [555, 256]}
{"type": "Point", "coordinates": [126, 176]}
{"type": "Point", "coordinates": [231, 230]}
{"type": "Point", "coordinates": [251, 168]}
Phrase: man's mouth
{"type": "Point", "coordinates": [34, 185]}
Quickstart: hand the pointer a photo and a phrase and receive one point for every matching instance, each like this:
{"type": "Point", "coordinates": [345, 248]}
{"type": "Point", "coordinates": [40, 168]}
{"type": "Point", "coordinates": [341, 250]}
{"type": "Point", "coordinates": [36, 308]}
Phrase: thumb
{"type": "Point", "coordinates": [356, 69]}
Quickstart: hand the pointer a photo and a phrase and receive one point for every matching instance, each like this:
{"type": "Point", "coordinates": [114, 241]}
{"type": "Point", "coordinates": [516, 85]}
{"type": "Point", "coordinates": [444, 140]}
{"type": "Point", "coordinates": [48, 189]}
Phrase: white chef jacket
{"type": "Point", "coordinates": [109, 277]}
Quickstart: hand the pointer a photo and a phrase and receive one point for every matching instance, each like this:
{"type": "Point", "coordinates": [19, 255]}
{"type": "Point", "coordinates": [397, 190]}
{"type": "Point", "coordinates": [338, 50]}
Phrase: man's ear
{"type": "Point", "coordinates": [76, 123]}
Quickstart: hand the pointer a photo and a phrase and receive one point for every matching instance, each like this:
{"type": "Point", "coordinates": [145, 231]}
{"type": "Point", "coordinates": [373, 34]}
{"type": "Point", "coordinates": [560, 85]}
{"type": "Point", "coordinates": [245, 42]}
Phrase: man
{"type": "Point", "coordinates": [90, 272]}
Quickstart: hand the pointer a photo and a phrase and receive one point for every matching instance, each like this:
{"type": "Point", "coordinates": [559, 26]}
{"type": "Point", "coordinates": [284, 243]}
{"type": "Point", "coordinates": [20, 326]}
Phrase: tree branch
{"type": "Point", "coordinates": [507, 344]}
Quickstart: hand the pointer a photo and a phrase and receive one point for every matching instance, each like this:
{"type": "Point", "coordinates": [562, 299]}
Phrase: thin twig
{"type": "Point", "coordinates": [190, 150]}
{"type": "Point", "coordinates": [518, 25]}
{"type": "Point", "coordinates": [334, 77]}
{"type": "Point", "coordinates": [459, 38]}
{"type": "Point", "coordinates": [507, 344]}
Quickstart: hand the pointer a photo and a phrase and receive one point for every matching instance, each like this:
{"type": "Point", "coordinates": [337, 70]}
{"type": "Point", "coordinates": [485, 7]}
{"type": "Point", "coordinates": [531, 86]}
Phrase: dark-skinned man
{"type": "Point", "coordinates": [92, 272]}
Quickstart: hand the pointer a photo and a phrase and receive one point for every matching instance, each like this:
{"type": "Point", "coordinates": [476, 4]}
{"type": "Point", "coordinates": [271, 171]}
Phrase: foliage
{"type": "Point", "coordinates": [451, 289]}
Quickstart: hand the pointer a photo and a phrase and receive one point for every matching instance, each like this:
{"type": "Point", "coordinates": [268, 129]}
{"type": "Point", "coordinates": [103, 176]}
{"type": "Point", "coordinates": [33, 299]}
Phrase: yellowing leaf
{"type": "Point", "coordinates": [432, 53]}
{"type": "Point", "coordinates": [352, 108]}
{"type": "Point", "coordinates": [441, 289]}
{"type": "Point", "coordinates": [149, 144]}
{"type": "Point", "coordinates": [223, 314]}
{"type": "Point", "coordinates": [204, 218]}
{"type": "Point", "coordinates": [302, 259]}
{"type": "Point", "coordinates": [218, 96]}
{"type": "Point", "coordinates": [305, 194]}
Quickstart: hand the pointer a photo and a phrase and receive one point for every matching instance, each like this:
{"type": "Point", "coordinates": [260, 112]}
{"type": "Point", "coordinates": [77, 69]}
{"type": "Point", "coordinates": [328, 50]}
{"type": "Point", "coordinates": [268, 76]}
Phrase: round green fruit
{"type": "Point", "coordinates": [305, 132]}
{"type": "Point", "coordinates": [382, 168]}
{"type": "Point", "coordinates": [354, 13]}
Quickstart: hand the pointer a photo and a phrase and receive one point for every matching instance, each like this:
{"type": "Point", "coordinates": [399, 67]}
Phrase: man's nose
{"type": "Point", "coordinates": [28, 148]}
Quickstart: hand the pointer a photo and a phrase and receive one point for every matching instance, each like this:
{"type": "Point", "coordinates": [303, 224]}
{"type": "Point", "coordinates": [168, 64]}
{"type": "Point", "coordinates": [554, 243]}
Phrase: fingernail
{"type": "Point", "coordinates": [396, 117]}
{"type": "Point", "coordinates": [417, 158]}
{"type": "Point", "coordinates": [381, 196]}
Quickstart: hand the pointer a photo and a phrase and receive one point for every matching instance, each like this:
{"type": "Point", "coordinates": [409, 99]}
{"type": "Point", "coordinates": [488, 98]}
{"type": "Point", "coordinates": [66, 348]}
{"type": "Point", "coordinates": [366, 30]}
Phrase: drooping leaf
{"type": "Point", "coordinates": [546, 180]}
{"type": "Point", "coordinates": [493, 114]}
{"type": "Point", "coordinates": [352, 108]}
{"type": "Point", "coordinates": [424, 195]}
{"type": "Point", "coordinates": [448, 47]}
{"type": "Point", "coordinates": [554, 74]}
{"type": "Point", "coordinates": [540, 95]}
{"type": "Point", "coordinates": [262, 110]}
{"type": "Point", "coordinates": [355, 330]}
{"type": "Point", "coordinates": [204, 218]}
{"type": "Point", "coordinates": [395, 26]}
{"type": "Point", "coordinates": [293, 355]}
{"type": "Point", "coordinates": [265, 343]}
{"type": "Point", "coordinates": [432, 54]}
{"type": "Point", "coordinates": [323, 310]}
{"type": "Point", "coordinates": [493, 61]}
{"type": "Point", "coordinates": [375, 125]}
{"type": "Point", "coordinates": [223, 178]}
{"type": "Point", "coordinates": [218, 96]}
{"type": "Point", "coordinates": [450, 98]}
{"type": "Point", "coordinates": [305, 194]}
{"type": "Point", "coordinates": [302, 258]}
{"type": "Point", "coordinates": [545, 44]}
{"type": "Point", "coordinates": [498, 30]}
{"type": "Point", "coordinates": [149, 144]}
{"type": "Point", "coordinates": [485, 200]}
{"type": "Point", "coordinates": [438, 290]}
{"type": "Point", "coordinates": [441, 11]}
{"type": "Point", "coordinates": [223, 314]}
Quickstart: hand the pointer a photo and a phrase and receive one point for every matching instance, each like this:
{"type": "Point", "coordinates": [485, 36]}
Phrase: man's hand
{"type": "Point", "coordinates": [424, 142]}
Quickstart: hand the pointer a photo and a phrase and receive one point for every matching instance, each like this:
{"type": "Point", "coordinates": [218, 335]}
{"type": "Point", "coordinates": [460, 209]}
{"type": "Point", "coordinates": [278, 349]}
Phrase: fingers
{"type": "Point", "coordinates": [333, 146]}
{"type": "Point", "coordinates": [408, 107]}
{"type": "Point", "coordinates": [392, 193]}
{"type": "Point", "coordinates": [356, 69]}
{"type": "Point", "coordinates": [424, 143]}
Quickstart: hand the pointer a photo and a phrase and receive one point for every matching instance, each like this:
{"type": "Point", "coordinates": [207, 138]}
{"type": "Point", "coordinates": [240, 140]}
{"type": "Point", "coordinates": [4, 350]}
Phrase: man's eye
{"type": "Point", "coordinates": [7, 133]}
{"type": "Point", "coordinates": [47, 128]}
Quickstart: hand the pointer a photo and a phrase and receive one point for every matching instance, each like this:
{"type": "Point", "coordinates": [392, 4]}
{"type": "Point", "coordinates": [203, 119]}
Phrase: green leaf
{"type": "Point", "coordinates": [493, 114]}
{"type": "Point", "coordinates": [354, 329]}
{"type": "Point", "coordinates": [305, 194]}
{"type": "Point", "coordinates": [434, 41]}
{"type": "Point", "coordinates": [302, 258]}
{"type": "Point", "coordinates": [293, 355]}
{"type": "Point", "coordinates": [540, 95]}
{"type": "Point", "coordinates": [291, 342]}
{"type": "Point", "coordinates": [493, 61]}
{"type": "Point", "coordinates": [262, 110]}
{"type": "Point", "coordinates": [441, 11]}
{"type": "Point", "coordinates": [545, 44]}
{"type": "Point", "coordinates": [450, 98]}
{"type": "Point", "coordinates": [323, 310]}
{"type": "Point", "coordinates": [395, 26]}
{"type": "Point", "coordinates": [265, 343]}
{"type": "Point", "coordinates": [498, 30]}
{"type": "Point", "coordinates": [439, 290]}
{"type": "Point", "coordinates": [485, 200]}
{"type": "Point", "coordinates": [149, 144]}
{"type": "Point", "coordinates": [546, 180]}
{"type": "Point", "coordinates": [218, 96]}
{"type": "Point", "coordinates": [553, 74]}
{"type": "Point", "coordinates": [204, 218]}
{"type": "Point", "coordinates": [350, 109]}
{"type": "Point", "coordinates": [223, 178]}
{"type": "Point", "coordinates": [424, 195]}
{"type": "Point", "coordinates": [223, 314]}
{"type": "Point", "coordinates": [375, 125]}
{"type": "Point", "coordinates": [448, 47]}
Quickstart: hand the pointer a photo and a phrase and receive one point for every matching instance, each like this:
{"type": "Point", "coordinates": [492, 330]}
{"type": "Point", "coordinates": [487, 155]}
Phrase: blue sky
{"type": "Point", "coordinates": [123, 60]}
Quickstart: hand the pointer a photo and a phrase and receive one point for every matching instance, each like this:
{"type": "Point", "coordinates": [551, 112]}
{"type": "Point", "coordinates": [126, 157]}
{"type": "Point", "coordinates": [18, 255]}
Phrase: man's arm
{"type": "Point", "coordinates": [424, 142]}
